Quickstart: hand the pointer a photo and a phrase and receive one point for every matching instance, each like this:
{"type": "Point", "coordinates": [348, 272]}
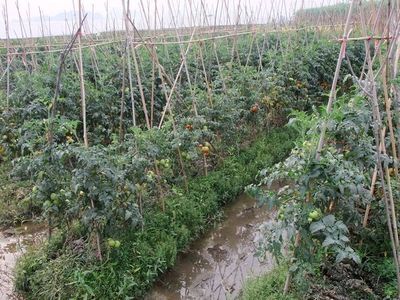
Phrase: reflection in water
{"type": "Point", "coordinates": [13, 242]}
{"type": "Point", "coordinates": [217, 264]}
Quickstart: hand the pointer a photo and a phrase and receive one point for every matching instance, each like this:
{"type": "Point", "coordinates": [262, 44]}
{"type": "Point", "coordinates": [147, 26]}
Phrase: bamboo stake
{"type": "Point", "coordinates": [180, 160]}
{"type": "Point", "coordinates": [139, 81]}
{"type": "Point", "coordinates": [83, 103]}
{"type": "Point", "coordinates": [234, 48]}
{"type": "Point", "coordinates": [175, 132]}
{"type": "Point", "coordinates": [332, 97]}
{"type": "Point", "coordinates": [107, 14]}
{"type": "Point", "coordinates": [6, 22]}
{"type": "Point", "coordinates": [205, 165]}
{"type": "Point", "coordinates": [388, 200]}
{"type": "Point", "coordinates": [159, 186]}
{"type": "Point", "coordinates": [389, 118]}
{"type": "Point", "coordinates": [147, 43]}
{"type": "Point", "coordinates": [140, 86]}
{"type": "Point", "coordinates": [81, 80]}
{"type": "Point", "coordinates": [250, 50]}
{"type": "Point", "coordinates": [214, 47]}
{"type": "Point", "coordinates": [192, 17]}
{"type": "Point", "coordinates": [23, 34]}
{"type": "Point", "coordinates": [208, 86]}
{"type": "Point", "coordinates": [371, 192]}
{"type": "Point", "coordinates": [63, 56]}
{"type": "Point", "coordinates": [183, 57]}
{"type": "Point", "coordinates": [153, 69]}
{"type": "Point", "coordinates": [167, 78]}
{"type": "Point", "coordinates": [32, 44]}
{"type": "Point", "coordinates": [41, 24]}
{"type": "Point", "coordinates": [153, 54]}
{"type": "Point", "coordinates": [175, 82]}
{"type": "Point", "coordinates": [382, 171]}
{"type": "Point", "coordinates": [122, 106]}
{"type": "Point", "coordinates": [332, 94]}
{"type": "Point", "coordinates": [128, 53]}
{"type": "Point", "coordinates": [394, 56]}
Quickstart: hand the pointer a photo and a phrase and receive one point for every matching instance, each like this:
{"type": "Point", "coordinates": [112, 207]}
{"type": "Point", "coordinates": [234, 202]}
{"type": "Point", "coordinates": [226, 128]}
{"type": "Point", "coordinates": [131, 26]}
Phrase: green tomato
{"type": "Point", "coordinates": [111, 243]}
{"type": "Point", "coordinates": [53, 196]}
{"type": "Point", "coordinates": [315, 214]}
{"type": "Point", "coordinates": [117, 244]}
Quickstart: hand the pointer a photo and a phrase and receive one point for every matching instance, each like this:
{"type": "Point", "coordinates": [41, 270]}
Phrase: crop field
{"type": "Point", "coordinates": [123, 148]}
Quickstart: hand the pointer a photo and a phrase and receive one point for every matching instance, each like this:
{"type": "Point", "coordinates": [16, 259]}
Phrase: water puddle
{"type": "Point", "coordinates": [13, 243]}
{"type": "Point", "coordinates": [218, 263]}
{"type": "Point", "coordinates": [214, 267]}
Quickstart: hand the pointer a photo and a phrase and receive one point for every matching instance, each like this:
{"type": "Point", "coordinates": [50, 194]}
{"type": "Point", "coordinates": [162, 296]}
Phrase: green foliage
{"type": "Point", "coordinates": [113, 190]}
{"type": "Point", "coordinates": [16, 205]}
{"type": "Point", "coordinates": [384, 270]}
{"type": "Point", "coordinates": [319, 192]}
{"type": "Point", "coordinates": [144, 254]}
{"type": "Point", "coordinates": [296, 74]}
{"type": "Point", "coordinates": [268, 286]}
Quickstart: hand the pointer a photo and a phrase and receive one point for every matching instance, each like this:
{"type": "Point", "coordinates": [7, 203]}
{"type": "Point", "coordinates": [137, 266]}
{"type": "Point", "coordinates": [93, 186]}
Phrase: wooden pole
{"type": "Point", "coordinates": [382, 171]}
{"type": "Point", "coordinates": [332, 97]}
{"type": "Point", "coordinates": [63, 56]}
{"type": "Point", "coordinates": [128, 54]}
{"type": "Point", "coordinates": [6, 22]}
{"type": "Point", "coordinates": [139, 79]}
{"type": "Point", "coordinates": [175, 82]}
{"type": "Point", "coordinates": [332, 94]}
{"type": "Point", "coordinates": [122, 105]}
{"type": "Point", "coordinates": [81, 80]}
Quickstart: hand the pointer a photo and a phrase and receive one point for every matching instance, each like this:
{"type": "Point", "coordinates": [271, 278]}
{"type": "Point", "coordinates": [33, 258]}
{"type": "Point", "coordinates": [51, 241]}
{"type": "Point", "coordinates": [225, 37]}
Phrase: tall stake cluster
{"type": "Point", "coordinates": [381, 37]}
{"type": "Point", "coordinates": [193, 26]}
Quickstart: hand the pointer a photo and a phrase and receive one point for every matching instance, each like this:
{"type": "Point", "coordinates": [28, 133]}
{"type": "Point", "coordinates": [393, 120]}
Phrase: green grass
{"type": "Point", "coordinates": [384, 270]}
{"type": "Point", "coordinates": [15, 204]}
{"type": "Point", "coordinates": [57, 272]}
{"type": "Point", "coordinates": [268, 286]}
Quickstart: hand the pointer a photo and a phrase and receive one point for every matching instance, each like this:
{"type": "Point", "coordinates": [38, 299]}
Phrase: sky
{"type": "Point", "coordinates": [59, 16]}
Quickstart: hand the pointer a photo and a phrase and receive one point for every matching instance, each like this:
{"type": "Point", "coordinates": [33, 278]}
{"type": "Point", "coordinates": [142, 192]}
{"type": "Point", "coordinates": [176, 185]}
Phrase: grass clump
{"type": "Point", "coordinates": [268, 286]}
{"type": "Point", "coordinates": [16, 205]}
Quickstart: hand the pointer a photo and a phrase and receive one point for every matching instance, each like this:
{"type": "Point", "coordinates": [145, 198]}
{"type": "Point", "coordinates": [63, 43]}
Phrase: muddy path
{"type": "Point", "coordinates": [13, 243]}
{"type": "Point", "coordinates": [218, 263]}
